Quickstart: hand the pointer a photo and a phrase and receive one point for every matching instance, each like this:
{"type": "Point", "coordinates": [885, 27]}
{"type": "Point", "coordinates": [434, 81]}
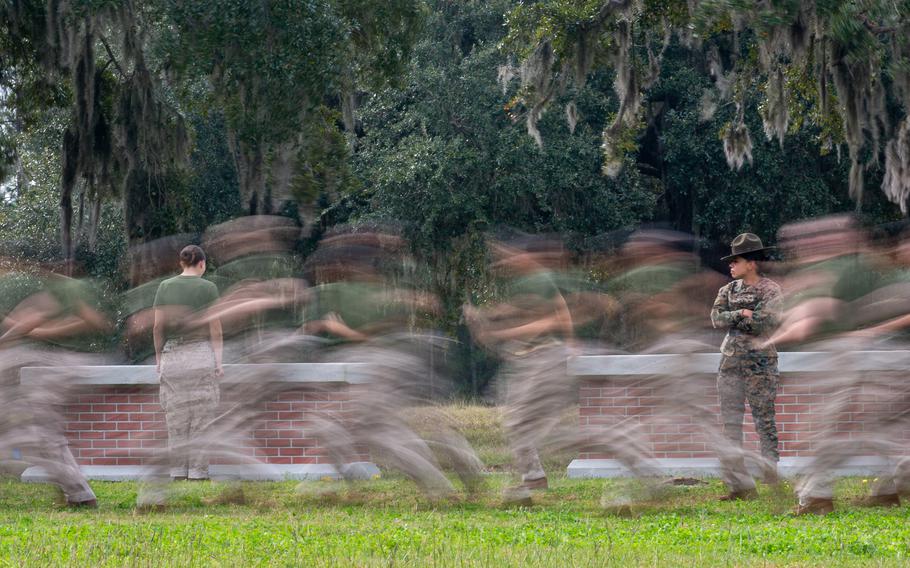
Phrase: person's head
{"type": "Point", "coordinates": [652, 245]}
{"type": "Point", "coordinates": [192, 257]}
{"type": "Point", "coordinates": [821, 238]}
{"type": "Point", "coordinates": [516, 252]}
{"type": "Point", "coordinates": [745, 266]}
{"type": "Point", "coordinates": [746, 251]}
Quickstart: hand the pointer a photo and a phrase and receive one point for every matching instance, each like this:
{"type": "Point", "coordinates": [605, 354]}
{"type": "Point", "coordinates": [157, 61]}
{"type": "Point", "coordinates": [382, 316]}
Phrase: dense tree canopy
{"type": "Point", "coordinates": [123, 122]}
{"type": "Point", "coordinates": [841, 69]}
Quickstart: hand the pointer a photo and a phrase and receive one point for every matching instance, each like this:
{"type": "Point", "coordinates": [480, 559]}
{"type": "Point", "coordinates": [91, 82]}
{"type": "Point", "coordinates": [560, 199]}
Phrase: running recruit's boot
{"type": "Point", "coordinates": [886, 500]}
{"type": "Point", "coordinates": [740, 495]}
{"type": "Point", "coordinates": [539, 483]}
{"type": "Point", "coordinates": [815, 506]}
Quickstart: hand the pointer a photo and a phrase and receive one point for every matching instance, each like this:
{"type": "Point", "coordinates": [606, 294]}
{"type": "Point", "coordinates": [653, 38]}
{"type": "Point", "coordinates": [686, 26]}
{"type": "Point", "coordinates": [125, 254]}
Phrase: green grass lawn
{"type": "Point", "coordinates": [388, 523]}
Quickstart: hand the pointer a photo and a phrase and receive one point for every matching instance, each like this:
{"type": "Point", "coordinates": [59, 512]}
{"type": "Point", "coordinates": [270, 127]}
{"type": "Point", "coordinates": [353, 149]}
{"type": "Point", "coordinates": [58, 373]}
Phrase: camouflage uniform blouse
{"type": "Point", "coordinates": [744, 335]}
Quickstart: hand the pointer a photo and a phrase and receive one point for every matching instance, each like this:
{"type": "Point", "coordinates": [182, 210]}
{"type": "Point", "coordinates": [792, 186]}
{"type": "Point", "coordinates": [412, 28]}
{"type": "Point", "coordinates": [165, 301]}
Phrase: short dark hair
{"type": "Point", "coordinates": [191, 255]}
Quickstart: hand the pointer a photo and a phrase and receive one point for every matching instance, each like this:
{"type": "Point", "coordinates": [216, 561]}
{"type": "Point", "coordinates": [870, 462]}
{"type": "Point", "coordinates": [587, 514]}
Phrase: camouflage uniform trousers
{"type": "Point", "coordinates": [396, 380]}
{"type": "Point", "coordinates": [189, 396]}
{"type": "Point", "coordinates": [754, 378]}
{"type": "Point", "coordinates": [538, 393]}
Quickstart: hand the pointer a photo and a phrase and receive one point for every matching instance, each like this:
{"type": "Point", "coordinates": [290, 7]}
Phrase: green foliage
{"type": "Point", "coordinates": [783, 184]}
{"type": "Point", "coordinates": [210, 193]}
{"type": "Point", "coordinates": [443, 156]}
{"type": "Point", "coordinates": [838, 70]}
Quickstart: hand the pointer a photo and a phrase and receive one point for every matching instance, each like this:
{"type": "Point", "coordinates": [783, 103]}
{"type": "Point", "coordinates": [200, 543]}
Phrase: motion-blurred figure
{"type": "Point", "coordinates": [532, 329]}
{"type": "Point", "coordinates": [367, 321]}
{"type": "Point", "coordinates": [45, 314]}
{"type": "Point", "coordinates": [832, 276]}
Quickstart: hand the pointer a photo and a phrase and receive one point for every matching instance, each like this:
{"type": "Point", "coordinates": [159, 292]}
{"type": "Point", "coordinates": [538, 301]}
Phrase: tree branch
{"type": "Point", "coordinates": [875, 28]}
{"type": "Point", "coordinates": [110, 54]}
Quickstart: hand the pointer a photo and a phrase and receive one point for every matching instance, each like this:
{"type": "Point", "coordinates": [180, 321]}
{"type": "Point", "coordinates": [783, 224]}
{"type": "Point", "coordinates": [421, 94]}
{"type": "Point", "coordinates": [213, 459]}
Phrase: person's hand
{"type": "Point", "coordinates": [746, 313]}
{"type": "Point", "coordinates": [39, 334]}
{"type": "Point", "coordinates": [219, 371]}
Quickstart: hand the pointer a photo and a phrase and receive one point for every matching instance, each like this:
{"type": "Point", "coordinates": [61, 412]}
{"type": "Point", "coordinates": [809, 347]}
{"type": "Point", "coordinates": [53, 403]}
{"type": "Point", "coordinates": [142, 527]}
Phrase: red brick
{"type": "Point", "coordinates": [143, 417]}
{"type": "Point", "coordinates": [288, 416]}
{"type": "Point", "coordinates": [129, 443]}
{"type": "Point", "coordinates": [129, 461]}
{"type": "Point", "coordinates": [278, 442]}
{"type": "Point", "coordinates": [303, 460]}
{"type": "Point", "coordinates": [91, 398]}
{"type": "Point", "coordinates": [104, 443]}
{"type": "Point", "coordinates": [129, 426]}
{"type": "Point", "coordinates": [291, 451]}
{"type": "Point", "coordinates": [116, 417]}
{"type": "Point", "coordinates": [263, 452]}
{"type": "Point", "coordinates": [115, 398]}
{"type": "Point", "coordinates": [281, 460]}
{"type": "Point", "coordinates": [129, 407]}
{"type": "Point", "coordinates": [151, 408]}
{"type": "Point", "coordinates": [143, 398]}
{"type": "Point", "coordinates": [316, 451]}
{"type": "Point", "coordinates": [142, 435]}
{"type": "Point", "coordinates": [639, 410]}
{"type": "Point", "coordinates": [91, 453]}
{"type": "Point", "coordinates": [156, 425]}
{"type": "Point", "coordinates": [106, 461]}
{"type": "Point", "coordinates": [78, 425]}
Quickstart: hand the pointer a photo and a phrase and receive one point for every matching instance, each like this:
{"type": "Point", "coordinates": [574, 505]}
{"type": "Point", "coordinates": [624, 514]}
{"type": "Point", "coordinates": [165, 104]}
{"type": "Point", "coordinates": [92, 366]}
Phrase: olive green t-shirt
{"type": "Point", "coordinates": [360, 305]}
{"type": "Point", "coordinates": [190, 292]}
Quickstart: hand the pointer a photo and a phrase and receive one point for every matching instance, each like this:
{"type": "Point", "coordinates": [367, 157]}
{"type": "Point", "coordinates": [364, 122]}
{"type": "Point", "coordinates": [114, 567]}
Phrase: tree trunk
{"type": "Point", "coordinates": [248, 159]}
{"type": "Point", "coordinates": [66, 223]}
{"type": "Point", "coordinates": [93, 221]}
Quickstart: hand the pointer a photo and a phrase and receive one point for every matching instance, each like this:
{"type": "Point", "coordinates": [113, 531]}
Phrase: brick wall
{"type": "Point", "coordinates": [116, 425]}
{"type": "Point", "coordinates": [801, 402]}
